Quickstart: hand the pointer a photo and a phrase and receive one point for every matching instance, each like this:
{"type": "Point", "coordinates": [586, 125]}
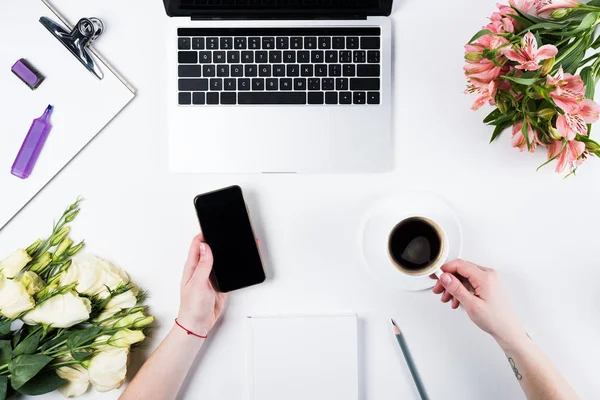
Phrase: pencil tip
{"type": "Point", "coordinates": [393, 322]}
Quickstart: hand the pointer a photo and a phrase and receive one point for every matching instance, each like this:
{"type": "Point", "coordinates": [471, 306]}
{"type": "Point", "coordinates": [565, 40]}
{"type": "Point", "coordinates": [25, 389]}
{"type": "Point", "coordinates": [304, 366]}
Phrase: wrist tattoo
{"type": "Point", "coordinates": [514, 368]}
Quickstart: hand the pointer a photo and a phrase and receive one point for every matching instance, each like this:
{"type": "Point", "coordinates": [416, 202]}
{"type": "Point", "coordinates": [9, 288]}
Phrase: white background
{"type": "Point", "coordinates": [539, 230]}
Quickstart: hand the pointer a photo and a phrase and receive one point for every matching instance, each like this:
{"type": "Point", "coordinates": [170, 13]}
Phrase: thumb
{"type": "Point", "coordinates": [206, 261]}
{"type": "Point", "coordinates": [456, 289]}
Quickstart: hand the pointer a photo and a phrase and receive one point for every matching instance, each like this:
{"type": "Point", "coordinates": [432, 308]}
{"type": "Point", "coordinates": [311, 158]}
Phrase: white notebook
{"type": "Point", "coordinates": [300, 358]}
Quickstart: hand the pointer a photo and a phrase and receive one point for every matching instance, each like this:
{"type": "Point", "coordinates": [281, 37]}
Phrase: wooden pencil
{"type": "Point", "coordinates": [410, 362]}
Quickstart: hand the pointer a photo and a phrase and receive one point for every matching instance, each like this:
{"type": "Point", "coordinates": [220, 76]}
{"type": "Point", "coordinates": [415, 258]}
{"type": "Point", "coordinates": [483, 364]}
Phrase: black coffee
{"type": "Point", "coordinates": [415, 244]}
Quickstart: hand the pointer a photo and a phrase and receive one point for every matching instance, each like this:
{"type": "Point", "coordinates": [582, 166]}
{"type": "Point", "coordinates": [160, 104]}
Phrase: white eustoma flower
{"type": "Point", "coordinates": [14, 298]}
{"type": "Point", "coordinates": [94, 276]}
{"type": "Point", "coordinates": [107, 369]}
{"type": "Point", "coordinates": [32, 282]}
{"type": "Point", "coordinates": [78, 380]}
{"type": "Point", "coordinates": [118, 303]}
{"type": "Point", "coordinates": [126, 337]}
{"type": "Point", "coordinates": [60, 311]}
{"type": "Point", "coordinates": [13, 264]}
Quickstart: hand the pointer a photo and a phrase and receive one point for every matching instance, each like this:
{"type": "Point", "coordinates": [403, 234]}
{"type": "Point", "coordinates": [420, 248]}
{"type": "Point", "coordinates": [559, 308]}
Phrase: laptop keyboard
{"type": "Point", "coordinates": [293, 66]}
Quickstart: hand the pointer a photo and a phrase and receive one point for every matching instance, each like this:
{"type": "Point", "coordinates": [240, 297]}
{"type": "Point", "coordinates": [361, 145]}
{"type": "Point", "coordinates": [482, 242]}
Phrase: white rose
{"type": "Point", "coordinates": [13, 264]}
{"type": "Point", "coordinates": [60, 311]}
{"type": "Point", "coordinates": [126, 337]}
{"type": "Point", "coordinates": [32, 282]}
{"type": "Point", "coordinates": [77, 378]}
{"type": "Point", "coordinates": [94, 276]}
{"type": "Point", "coordinates": [14, 298]}
{"type": "Point", "coordinates": [108, 368]}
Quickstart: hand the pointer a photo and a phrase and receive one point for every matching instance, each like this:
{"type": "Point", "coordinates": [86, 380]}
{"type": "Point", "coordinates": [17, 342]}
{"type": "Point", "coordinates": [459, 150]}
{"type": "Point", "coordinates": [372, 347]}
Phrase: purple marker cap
{"type": "Point", "coordinates": [27, 73]}
{"type": "Point", "coordinates": [32, 145]}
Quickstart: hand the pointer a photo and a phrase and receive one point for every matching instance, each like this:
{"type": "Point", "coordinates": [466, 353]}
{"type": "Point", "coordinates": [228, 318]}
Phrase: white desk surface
{"type": "Point", "coordinates": [539, 230]}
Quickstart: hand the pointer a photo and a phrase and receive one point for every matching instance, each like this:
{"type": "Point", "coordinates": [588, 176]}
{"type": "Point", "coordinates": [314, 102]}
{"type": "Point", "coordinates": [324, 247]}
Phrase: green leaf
{"type": "Point", "coordinates": [3, 387]}
{"type": "Point", "coordinates": [61, 336]}
{"type": "Point", "coordinates": [546, 26]}
{"type": "Point", "coordinates": [524, 22]}
{"type": "Point", "coordinates": [5, 327]}
{"type": "Point", "coordinates": [499, 129]}
{"type": "Point", "coordinates": [25, 367]}
{"type": "Point", "coordinates": [82, 337]}
{"type": "Point", "coordinates": [82, 354]}
{"type": "Point", "coordinates": [589, 81]}
{"type": "Point", "coordinates": [525, 132]}
{"type": "Point", "coordinates": [522, 81]}
{"type": "Point", "coordinates": [30, 344]}
{"type": "Point", "coordinates": [479, 34]}
{"type": "Point", "coordinates": [571, 57]}
{"type": "Point", "coordinates": [492, 116]}
{"type": "Point", "coordinates": [586, 23]}
{"type": "Point", "coordinates": [5, 352]}
{"type": "Point", "coordinates": [45, 382]}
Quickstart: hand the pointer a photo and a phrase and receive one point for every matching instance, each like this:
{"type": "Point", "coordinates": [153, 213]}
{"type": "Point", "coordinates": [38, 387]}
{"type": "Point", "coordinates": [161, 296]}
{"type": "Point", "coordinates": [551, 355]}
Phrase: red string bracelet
{"type": "Point", "coordinates": [188, 331]}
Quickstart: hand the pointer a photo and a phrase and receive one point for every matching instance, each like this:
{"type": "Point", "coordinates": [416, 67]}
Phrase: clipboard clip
{"type": "Point", "coordinates": [79, 39]}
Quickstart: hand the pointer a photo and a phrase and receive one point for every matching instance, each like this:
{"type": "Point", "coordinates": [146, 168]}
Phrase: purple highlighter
{"type": "Point", "coordinates": [32, 145]}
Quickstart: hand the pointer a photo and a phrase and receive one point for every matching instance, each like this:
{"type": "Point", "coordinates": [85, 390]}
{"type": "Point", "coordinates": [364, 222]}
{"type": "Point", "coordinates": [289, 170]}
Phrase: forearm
{"type": "Point", "coordinates": [536, 374]}
{"type": "Point", "coordinates": [161, 377]}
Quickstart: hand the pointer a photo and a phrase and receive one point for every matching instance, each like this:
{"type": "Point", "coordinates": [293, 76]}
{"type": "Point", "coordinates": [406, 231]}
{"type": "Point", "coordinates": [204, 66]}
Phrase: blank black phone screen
{"type": "Point", "coordinates": [227, 230]}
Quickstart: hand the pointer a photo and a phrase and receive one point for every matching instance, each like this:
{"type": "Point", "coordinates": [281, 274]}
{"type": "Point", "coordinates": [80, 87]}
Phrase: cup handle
{"type": "Point", "coordinates": [439, 273]}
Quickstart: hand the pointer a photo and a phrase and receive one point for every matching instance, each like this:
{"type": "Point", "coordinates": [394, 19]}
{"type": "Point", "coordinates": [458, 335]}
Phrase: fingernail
{"type": "Point", "coordinates": [202, 249]}
{"type": "Point", "coordinates": [446, 279]}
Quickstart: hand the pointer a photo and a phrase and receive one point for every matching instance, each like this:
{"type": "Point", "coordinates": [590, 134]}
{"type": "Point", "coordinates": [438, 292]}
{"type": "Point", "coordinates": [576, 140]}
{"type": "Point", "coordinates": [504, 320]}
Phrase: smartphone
{"type": "Point", "coordinates": [227, 229]}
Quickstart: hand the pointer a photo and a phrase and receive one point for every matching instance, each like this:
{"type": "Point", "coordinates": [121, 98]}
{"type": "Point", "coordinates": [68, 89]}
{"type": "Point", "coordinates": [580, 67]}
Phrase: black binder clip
{"type": "Point", "coordinates": [79, 39]}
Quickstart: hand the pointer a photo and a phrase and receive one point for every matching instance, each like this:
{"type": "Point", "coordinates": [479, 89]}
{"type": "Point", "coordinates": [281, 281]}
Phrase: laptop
{"type": "Point", "coordinates": [279, 86]}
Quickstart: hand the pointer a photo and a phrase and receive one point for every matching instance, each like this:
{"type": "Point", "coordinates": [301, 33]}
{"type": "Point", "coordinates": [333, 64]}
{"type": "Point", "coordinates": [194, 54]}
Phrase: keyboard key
{"type": "Point", "coordinates": [198, 43]}
{"type": "Point", "coordinates": [314, 84]}
{"type": "Point", "coordinates": [219, 57]}
{"type": "Point", "coordinates": [349, 70]}
{"type": "Point", "coordinates": [247, 57]}
{"type": "Point", "coordinates": [250, 70]}
{"type": "Point", "coordinates": [254, 43]}
{"type": "Point", "coordinates": [258, 84]}
{"type": "Point", "coordinates": [190, 71]}
{"type": "Point", "coordinates": [264, 70]}
{"type": "Point", "coordinates": [216, 84]}
{"type": "Point", "coordinates": [324, 42]}
{"type": "Point", "coordinates": [328, 83]}
{"type": "Point", "coordinates": [321, 70]}
{"type": "Point", "coordinates": [370, 42]}
{"type": "Point", "coordinates": [310, 43]}
{"type": "Point", "coordinates": [300, 84]}
{"type": "Point", "coordinates": [208, 71]}
{"type": "Point", "coordinates": [331, 56]}
{"type": "Point", "coordinates": [289, 57]}
{"type": "Point", "coordinates": [345, 56]}
{"type": "Point", "coordinates": [212, 43]}
{"type": "Point", "coordinates": [341, 84]}
{"type": "Point", "coordinates": [296, 43]}
{"type": "Point", "coordinates": [199, 98]}
{"type": "Point", "coordinates": [278, 70]}
{"type": "Point", "coordinates": [212, 98]}
{"type": "Point", "coordinates": [359, 98]}
{"type": "Point", "coordinates": [303, 57]}
{"type": "Point", "coordinates": [373, 56]}
{"type": "Point", "coordinates": [360, 56]}
{"type": "Point", "coordinates": [226, 43]}
{"type": "Point", "coordinates": [368, 70]}
{"type": "Point", "coordinates": [261, 57]}
{"type": "Point", "coordinates": [283, 43]}
{"type": "Point", "coordinates": [223, 71]}
{"type": "Point", "coordinates": [364, 84]}
{"type": "Point", "coordinates": [233, 57]}
{"type": "Point", "coordinates": [335, 70]}
{"type": "Point", "coordinates": [272, 98]}
{"type": "Point", "coordinates": [306, 70]}
{"type": "Point", "coordinates": [229, 84]}
{"type": "Point", "coordinates": [204, 57]}
{"type": "Point", "coordinates": [339, 42]}
{"type": "Point", "coordinates": [268, 43]}
{"type": "Point", "coordinates": [187, 57]}
{"type": "Point", "coordinates": [228, 98]}
{"type": "Point", "coordinates": [193, 84]}
{"type": "Point", "coordinates": [243, 84]}
{"type": "Point", "coordinates": [345, 97]}
{"type": "Point", "coordinates": [185, 98]}
{"type": "Point", "coordinates": [272, 84]}
{"type": "Point", "coordinates": [317, 57]}
{"type": "Point", "coordinates": [315, 97]}
{"type": "Point", "coordinates": [373, 97]}
{"type": "Point", "coordinates": [237, 70]}
{"type": "Point", "coordinates": [293, 70]}
{"type": "Point", "coordinates": [184, 43]}
{"type": "Point", "coordinates": [352, 42]}
{"type": "Point", "coordinates": [285, 84]}
{"type": "Point", "coordinates": [331, 98]}
{"type": "Point", "coordinates": [275, 56]}
{"type": "Point", "coordinates": [240, 43]}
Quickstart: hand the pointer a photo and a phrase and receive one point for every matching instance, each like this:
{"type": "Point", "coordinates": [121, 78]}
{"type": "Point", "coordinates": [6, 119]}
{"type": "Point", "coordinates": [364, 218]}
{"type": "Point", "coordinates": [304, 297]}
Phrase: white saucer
{"type": "Point", "coordinates": [383, 216]}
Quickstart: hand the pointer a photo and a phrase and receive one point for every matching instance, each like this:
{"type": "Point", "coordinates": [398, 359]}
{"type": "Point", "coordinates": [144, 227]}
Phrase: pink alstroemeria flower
{"type": "Point", "coordinates": [501, 21]}
{"type": "Point", "coordinates": [529, 56]}
{"type": "Point", "coordinates": [483, 71]}
{"type": "Point", "coordinates": [486, 93]}
{"type": "Point", "coordinates": [570, 156]}
{"type": "Point", "coordinates": [569, 90]}
{"type": "Point", "coordinates": [525, 6]}
{"type": "Point", "coordinates": [518, 139]}
{"type": "Point", "coordinates": [546, 7]}
{"type": "Point", "coordinates": [570, 125]}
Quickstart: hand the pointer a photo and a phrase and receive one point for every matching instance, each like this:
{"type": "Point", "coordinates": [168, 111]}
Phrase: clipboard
{"type": "Point", "coordinates": [83, 104]}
